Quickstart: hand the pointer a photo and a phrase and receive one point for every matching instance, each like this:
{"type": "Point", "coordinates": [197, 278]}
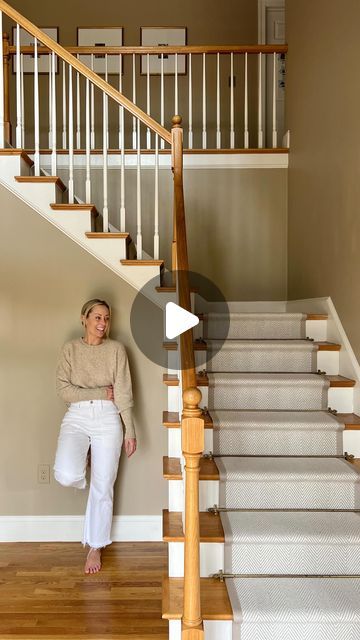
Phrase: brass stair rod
{"type": "Point", "coordinates": [222, 576]}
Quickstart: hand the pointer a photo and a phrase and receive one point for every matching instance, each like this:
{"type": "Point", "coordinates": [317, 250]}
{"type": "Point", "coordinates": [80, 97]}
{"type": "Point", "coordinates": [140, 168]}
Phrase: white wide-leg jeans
{"type": "Point", "coordinates": [96, 423]}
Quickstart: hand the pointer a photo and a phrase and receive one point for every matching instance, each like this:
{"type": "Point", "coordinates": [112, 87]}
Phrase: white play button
{"type": "Point", "coordinates": [178, 320]}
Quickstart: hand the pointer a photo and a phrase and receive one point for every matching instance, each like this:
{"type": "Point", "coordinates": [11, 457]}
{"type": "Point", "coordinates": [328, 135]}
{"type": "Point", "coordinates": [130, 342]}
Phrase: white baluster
{"type": "Point", "coordinates": [87, 143]}
{"type": "Point", "coordinates": [218, 117]}
{"type": "Point", "coordinates": [18, 89]}
{"type": "Point", "coordinates": [92, 137]}
{"type": "Point", "coordinates": [156, 203]}
{"type": "Point", "coordinates": [53, 117]}
{"type": "Point", "coordinates": [2, 123]}
{"type": "Point", "coordinates": [274, 131]}
{"type": "Point", "coordinates": [107, 102]}
{"type": "Point", "coordinates": [36, 112]}
{"type": "Point", "coordinates": [122, 174]}
{"type": "Point", "coordinates": [64, 104]}
{"type": "Point", "coordinates": [22, 102]}
{"type": "Point", "coordinates": [78, 112]}
{"type": "Point", "coordinates": [50, 99]}
{"type": "Point", "coordinates": [71, 137]}
{"type": "Point", "coordinates": [138, 197]}
{"type": "Point", "coordinates": [148, 132]}
{"type": "Point", "coordinates": [246, 105]}
{"type": "Point", "coordinates": [105, 211]}
{"type": "Point", "coordinates": [176, 105]}
{"type": "Point", "coordinates": [190, 140]}
{"type": "Point", "coordinates": [134, 134]}
{"type": "Point", "coordinates": [162, 98]}
{"type": "Point", "coordinates": [204, 136]}
{"type": "Point", "coordinates": [232, 129]}
{"type": "Point", "coordinates": [260, 130]}
{"type": "Point", "coordinates": [120, 91]}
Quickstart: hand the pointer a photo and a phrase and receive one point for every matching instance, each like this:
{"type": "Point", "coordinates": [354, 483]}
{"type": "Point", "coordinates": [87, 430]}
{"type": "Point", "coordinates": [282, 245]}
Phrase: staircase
{"type": "Point", "coordinates": [279, 501]}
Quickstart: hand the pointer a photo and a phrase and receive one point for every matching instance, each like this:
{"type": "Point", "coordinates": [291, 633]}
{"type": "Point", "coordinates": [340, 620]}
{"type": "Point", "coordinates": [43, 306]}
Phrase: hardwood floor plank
{"type": "Point", "coordinates": [45, 594]}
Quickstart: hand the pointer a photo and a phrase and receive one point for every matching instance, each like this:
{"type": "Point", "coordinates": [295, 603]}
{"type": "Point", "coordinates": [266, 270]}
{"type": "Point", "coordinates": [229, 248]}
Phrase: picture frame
{"type": "Point", "coordinates": [163, 36]}
{"type": "Point", "coordinates": [101, 37]}
{"type": "Point", "coordinates": [27, 40]}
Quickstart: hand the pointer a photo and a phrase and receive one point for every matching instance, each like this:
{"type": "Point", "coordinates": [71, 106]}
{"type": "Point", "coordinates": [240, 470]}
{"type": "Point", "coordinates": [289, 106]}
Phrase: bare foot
{"type": "Point", "coordinates": [93, 561]}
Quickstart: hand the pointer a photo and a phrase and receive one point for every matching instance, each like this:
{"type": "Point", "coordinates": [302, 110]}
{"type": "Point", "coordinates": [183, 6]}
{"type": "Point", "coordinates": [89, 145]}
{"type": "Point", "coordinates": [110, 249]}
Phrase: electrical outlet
{"type": "Point", "coordinates": [44, 474]}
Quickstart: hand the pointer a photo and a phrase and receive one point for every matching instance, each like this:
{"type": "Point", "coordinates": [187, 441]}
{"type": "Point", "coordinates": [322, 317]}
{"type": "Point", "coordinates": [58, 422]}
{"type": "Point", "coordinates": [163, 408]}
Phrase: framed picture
{"type": "Point", "coordinates": [100, 37]}
{"type": "Point", "coordinates": [27, 40]}
{"type": "Point", "coordinates": [163, 37]}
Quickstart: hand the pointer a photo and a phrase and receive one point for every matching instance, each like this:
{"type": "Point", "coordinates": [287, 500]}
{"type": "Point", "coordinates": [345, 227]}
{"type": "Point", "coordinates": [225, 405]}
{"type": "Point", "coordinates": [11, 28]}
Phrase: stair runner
{"type": "Point", "coordinates": [266, 400]}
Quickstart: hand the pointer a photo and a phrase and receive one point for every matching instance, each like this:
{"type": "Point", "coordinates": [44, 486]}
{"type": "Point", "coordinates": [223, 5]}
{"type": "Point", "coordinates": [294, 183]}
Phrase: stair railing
{"type": "Point", "coordinates": [233, 96]}
{"type": "Point", "coordinates": [73, 69]}
{"type": "Point", "coordinates": [192, 422]}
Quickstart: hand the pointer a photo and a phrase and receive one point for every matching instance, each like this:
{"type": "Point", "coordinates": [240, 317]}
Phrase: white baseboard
{"type": "Point", "coordinates": [70, 528]}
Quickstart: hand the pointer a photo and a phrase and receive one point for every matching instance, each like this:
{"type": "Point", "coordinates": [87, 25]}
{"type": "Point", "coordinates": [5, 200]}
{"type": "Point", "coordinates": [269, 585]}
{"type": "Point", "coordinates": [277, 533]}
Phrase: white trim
{"type": "Point", "coordinates": [70, 528]}
{"type": "Point", "coordinates": [191, 161]}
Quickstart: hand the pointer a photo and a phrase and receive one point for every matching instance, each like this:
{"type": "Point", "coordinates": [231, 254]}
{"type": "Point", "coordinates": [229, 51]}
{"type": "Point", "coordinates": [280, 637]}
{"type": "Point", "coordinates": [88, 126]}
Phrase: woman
{"type": "Point", "coordinates": [94, 380]}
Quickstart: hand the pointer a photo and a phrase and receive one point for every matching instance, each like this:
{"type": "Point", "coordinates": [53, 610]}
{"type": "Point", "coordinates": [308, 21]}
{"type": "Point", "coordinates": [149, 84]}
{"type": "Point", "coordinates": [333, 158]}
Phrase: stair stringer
{"type": "Point", "coordinates": [135, 276]}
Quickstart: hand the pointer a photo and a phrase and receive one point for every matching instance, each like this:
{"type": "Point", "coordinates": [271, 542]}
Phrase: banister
{"type": "Point", "coordinates": [170, 50]}
{"type": "Point", "coordinates": [65, 55]}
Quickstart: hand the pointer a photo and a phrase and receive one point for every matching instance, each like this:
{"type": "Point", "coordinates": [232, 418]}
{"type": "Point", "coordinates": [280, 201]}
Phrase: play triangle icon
{"type": "Point", "coordinates": [178, 320]}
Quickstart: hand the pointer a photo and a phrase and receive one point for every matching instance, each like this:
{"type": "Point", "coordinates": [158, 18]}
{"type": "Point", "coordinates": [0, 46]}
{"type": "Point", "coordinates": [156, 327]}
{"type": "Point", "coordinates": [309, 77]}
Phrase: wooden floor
{"type": "Point", "coordinates": [45, 594]}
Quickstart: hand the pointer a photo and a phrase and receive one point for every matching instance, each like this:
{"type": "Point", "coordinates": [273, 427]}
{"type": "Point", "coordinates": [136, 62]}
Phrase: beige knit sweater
{"type": "Point", "coordinates": [84, 371]}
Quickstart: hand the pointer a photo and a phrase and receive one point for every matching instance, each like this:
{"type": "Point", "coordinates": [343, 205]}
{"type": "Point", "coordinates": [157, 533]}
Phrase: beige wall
{"type": "Point", "coordinates": [323, 98]}
{"type": "Point", "coordinates": [45, 277]}
{"type": "Point", "coordinates": [236, 223]}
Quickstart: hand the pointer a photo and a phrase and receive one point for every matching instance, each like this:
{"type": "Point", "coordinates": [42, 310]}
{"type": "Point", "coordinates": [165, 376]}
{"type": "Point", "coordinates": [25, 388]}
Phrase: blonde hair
{"type": "Point", "coordinates": [88, 307]}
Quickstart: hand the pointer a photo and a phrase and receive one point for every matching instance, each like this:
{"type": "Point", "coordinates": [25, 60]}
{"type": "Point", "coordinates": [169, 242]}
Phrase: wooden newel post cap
{"type": "Point", "coordinates": [176, 121]}
{"type": "Point", "coordinates": [192, 398]}
{"type": "Point", "coordinates": [5, 36]}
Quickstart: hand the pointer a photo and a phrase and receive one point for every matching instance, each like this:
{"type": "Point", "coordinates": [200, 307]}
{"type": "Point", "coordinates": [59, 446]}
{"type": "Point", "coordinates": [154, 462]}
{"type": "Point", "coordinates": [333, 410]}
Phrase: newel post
{"type": "Point", "coordinates": [6, 70]}
{"type": "Point", "coordinates": [192, 430]}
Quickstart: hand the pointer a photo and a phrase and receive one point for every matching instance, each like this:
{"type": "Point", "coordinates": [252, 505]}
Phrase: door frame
{"type": "Point", "coordinates": [263, 5]}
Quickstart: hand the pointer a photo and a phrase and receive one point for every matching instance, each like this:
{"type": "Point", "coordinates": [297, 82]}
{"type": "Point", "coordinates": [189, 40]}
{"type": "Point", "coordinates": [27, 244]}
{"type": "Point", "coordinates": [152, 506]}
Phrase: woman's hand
{"type": "Point", "coordinates": [130, 446]}
{"type": "Point", "coordinates": [110, 392]}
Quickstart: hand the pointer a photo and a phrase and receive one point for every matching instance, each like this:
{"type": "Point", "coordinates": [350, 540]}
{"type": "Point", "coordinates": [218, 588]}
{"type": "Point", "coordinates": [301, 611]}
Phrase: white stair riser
{"type": "Point", "coordinates": [75, 223]}
{"type": "Point", "coordinates": [211, 559]}
{"type": "Point", "coordinates": [208, 494]}
{"type": "Point", "coordinates": [41, 195]}
{"type": "Point", "coordinates": [113, 249]}
{"type": "Point", "coordinates": [213, 629]}
{"type": "Point", "coordinates": [317, 330]}
{"type": "Point", "coordinates": [351, 442]}
{"type": "Point", "coordinates": [11, 166]}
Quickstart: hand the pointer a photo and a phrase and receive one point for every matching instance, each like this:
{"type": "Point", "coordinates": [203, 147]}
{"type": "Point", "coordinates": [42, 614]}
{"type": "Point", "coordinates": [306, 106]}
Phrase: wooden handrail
{"type": "Point", "coordinates": [65, 55]}
{"type": "Point", "coordinates": [169, 50]}
{"type": "Point", "coordinates": [192, 421]}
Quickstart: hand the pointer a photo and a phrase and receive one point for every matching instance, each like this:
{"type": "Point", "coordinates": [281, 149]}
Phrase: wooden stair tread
{"type": "Point", "coordinates": [42, 179]}
{"type": "Point", "coordinates": [350, 420]}
{"type": "Point", "coordinates": [17, 152]}
{"type": "Point", "coordinates": [172, 469]}
{"type": "Point", "coordinates": [142, 263]}
{"type": "Point", "coordinates": [215, 602]}
{"type": "Point", "coordinates": [211, 529]}
{"type": "Point", "coordinates": [316, 316]}
{"type": "Point", "coordinates": [340, 381]}
{"type": "Point", "coordinates": [103, 235]}
{"type": "Point", "coordinates": [171, 289]}
{"type": "Point", "coordinates": [63, 206]}
{"type": "Point", "coordinates": [171, 420]}
{"type": "Point", "coordinates": [202, 346]}
{"type": "Point", "coordinates": [172, 380]}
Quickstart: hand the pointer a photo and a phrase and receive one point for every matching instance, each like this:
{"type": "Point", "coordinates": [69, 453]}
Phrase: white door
{"type": "Point", "coordinates": [275, 34]}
